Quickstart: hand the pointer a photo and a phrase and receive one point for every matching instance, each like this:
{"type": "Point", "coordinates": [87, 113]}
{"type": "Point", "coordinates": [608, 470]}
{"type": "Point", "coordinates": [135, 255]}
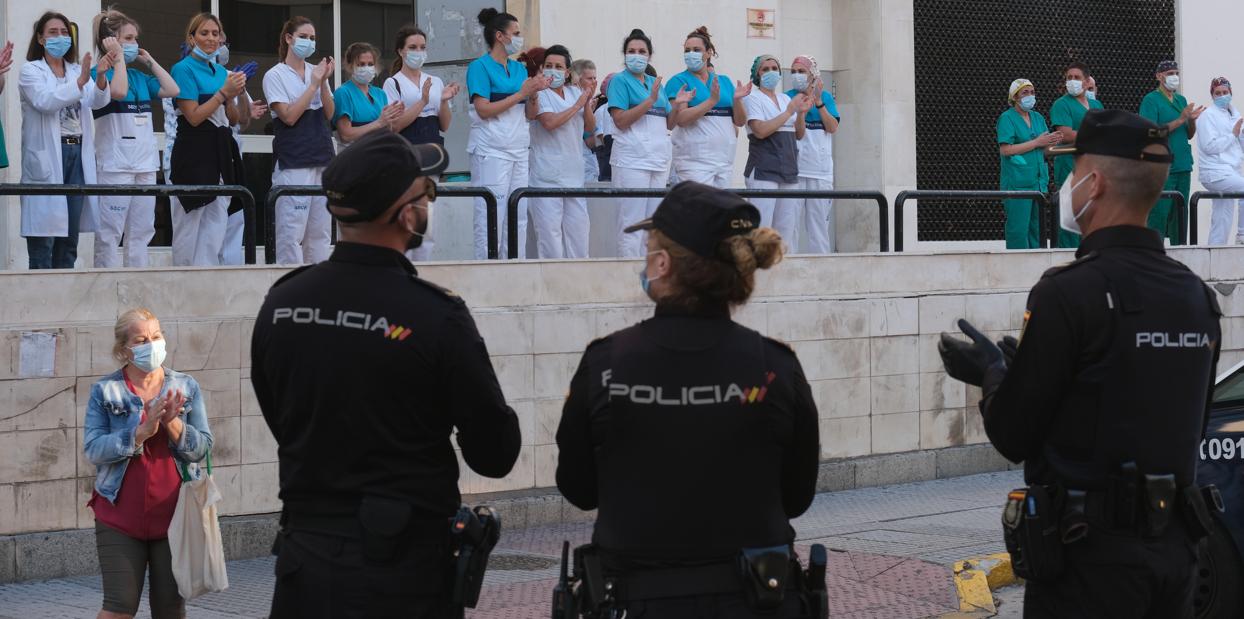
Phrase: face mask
{"type": "Point", "coordinates": [1171, 81]}
{"type": "Point", "coordinates": [1027, 103]}
{"type": "Point", "coordinates": [770, 79]}
{"type": "Point", "coordinates": [57, 46]}
{"type": "Point", "coordinates": [222, 55]}
{"type": "Point", "coordinates": [1223, 102]}
{"type": "Point", "coordinates": [416, 236]}
{"type": "Point", "coordinates": [1075, 87]}
{"type": "Point", "coordinates": [1068, 219]}
{"type": "Point", "coordinates": [130, 52]}
{"type": "Point", "coordinates": [800, 81]}
{"type": "Point", "coordinates": [558, 77]}
{"type": "Point", "coordinates": [644, 282]}
{"type": "Point", "coordinates": [636, 63]}
{"type": "Point", "coordinates": [303, 48]}
{"type": "Point", "coordinates": [693, 60]}
{"type": "Point", "coordinates": [415, 60]}
{"type": "Point", "coordinates": [149, 356]}
{"type": "Point", "coordinates": [198, 51]}
{"type": "Point", "coordinates": [1091, 94]}
{"type": "Point", "coordinates": [514, 46]}
{"type": "Point", "coordinates": [364, 75]}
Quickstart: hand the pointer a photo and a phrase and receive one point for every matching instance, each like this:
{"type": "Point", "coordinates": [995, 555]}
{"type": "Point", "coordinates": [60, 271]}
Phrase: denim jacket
{"type": "Point", "coordinates": [112, 417]}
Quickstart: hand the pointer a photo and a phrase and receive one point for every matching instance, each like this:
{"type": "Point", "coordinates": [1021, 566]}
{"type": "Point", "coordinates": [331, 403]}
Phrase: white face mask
{"type": "Point", "coordinates": [1068, 219]}
{"type": "Point", "coordinates": [514, 46]}
{"type": "Point", "coordinates": [364, 74]}
{"type": "Point", "coordinates": [149, 356]}
{"type": "Point", "coordinates": [1075, 87]}
{"type": "Point", "coordinates": [415, 60]}
{"type": "Point", "coordinates": [1172, 82]}
{"type": "Point", "coordinates": [799, 81]}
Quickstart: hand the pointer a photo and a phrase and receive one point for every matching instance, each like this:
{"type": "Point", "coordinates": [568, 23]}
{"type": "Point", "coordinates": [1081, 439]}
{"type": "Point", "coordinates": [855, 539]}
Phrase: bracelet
{"type": "Point", "coordinates": [820, 105]}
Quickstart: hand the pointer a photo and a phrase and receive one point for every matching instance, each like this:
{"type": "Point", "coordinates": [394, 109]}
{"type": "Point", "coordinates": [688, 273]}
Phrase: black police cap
{"type": "Point", "coordinates": [700, 217]}
{"type": "Point", "coordinates": [368, 177]}
{"type": "Point", "coordinates": [1116, 133]}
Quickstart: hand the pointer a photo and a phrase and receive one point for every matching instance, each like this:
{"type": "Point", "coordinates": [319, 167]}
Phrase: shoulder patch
{"type": "Point", "coordinates": [1063, 268]}
{"type": "Point", "coordinates": [292, 274]}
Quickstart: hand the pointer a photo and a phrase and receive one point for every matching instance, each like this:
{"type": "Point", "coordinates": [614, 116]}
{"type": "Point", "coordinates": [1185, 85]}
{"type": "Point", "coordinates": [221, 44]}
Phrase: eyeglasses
{"type": "Point", "coordinates": [429, 193]}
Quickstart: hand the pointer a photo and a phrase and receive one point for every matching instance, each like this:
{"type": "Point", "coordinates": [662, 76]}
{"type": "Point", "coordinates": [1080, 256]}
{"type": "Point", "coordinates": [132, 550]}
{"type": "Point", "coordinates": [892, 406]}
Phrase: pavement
{"type": "Point", "coordinates": [892, 551]}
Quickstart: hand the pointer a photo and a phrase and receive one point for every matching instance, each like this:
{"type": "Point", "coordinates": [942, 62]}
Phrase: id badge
{"type": "Point", "coordinates": [140, 120]}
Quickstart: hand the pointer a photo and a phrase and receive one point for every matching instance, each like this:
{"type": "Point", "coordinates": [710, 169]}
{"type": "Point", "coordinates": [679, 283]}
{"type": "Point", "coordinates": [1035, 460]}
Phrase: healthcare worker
{"type": "Point", "coordinates": [1167, 108]}
{"type": "Point", "coordinates": [205, 152]}
{"type": "Point", "coordinates": [706, 127]}
{"type": "Point", "coordinates": [602, 140]}
{"type": "Point", "coordinates": [57, 140]}
{"type": "Point", "coordinates": [775, 121]}
{"type": "Point", "coordinates": [1023, 136]}
{"type": "Point", "coordinates": [425, 98]}
{"type": "Point", "coordinates": [641, 142]}
{"type": "Point", "coordinates": [1220, 150]}
{"type": "Point", "coordinates": [301, 98]}
{"type": "Point", "coordinates": [499, 90]}
{"type": "Point", "coordinates": [359, 107]}
{"type": "Point", "coordinates": [249, 110]}
{"type": "Point", "coordinates": [1066, 115]}
{"type": "Point", "coordinates": [814, 217]}
{"type": "Point", "coordinates": [582, 74]}
{"type": "Point", "coordinates": [563, 116]}
{"type": "Point", "coordinates": [125, 145]}
{"type": "Point", "coordinates": [1090, 88]}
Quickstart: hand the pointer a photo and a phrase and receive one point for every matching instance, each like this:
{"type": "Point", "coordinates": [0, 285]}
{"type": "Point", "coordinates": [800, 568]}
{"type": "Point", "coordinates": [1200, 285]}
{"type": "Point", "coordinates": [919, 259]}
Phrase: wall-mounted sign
{"type": "Point", "coordinates": [760, 23]}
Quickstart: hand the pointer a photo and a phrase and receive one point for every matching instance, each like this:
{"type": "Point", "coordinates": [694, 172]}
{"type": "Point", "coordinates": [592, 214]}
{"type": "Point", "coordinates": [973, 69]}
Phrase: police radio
{"type": "Point", "coordinates": [474, 533]}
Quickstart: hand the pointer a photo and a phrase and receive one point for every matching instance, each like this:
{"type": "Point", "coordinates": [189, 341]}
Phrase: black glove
{"type": "Point", "coordinates": [967, 361]}
{"type": "Point", "coordinates": [1009, 346]}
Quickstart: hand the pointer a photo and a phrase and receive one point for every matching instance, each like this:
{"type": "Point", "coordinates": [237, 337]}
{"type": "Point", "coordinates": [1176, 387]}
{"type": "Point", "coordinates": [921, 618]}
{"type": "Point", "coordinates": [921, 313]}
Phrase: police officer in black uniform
{"type": "Point", "coordinates": [694, 437]}
{"type": "Point", "coordinates": [1106, 398]}
{"type": "Point", "coordinates": [362, 371]}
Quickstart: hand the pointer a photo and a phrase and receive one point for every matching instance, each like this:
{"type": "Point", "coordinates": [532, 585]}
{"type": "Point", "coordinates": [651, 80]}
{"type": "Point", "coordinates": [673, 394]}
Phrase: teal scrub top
{"type": "Point", "coordinates": [350, 101]}
{"type": "Point", "coordinates": [1157, 108]}
{"type": "Point", "coordinates": [1068, 112]}
{"type": "Point", "coordinates": [1027, 171]}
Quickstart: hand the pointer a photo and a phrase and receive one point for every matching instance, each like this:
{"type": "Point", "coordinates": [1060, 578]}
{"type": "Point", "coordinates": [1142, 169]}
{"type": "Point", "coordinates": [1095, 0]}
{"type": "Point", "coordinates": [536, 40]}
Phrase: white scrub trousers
{"type": "Point", "coordinates": [303, 223]}
{"type": "Point", "coordinates": [130, 216]}
{"type": "Point", "coordinates": [817, 233]}
{"type": "Point", "coordinates": [500, 176]}
{"type": "Point", "coordinates": [561, 224]}
{"type": "Point", "coordinates": [634, 210]}
{"type": "Point", "coordinates": [231, 253]}
{"type": "Point", "coordinates": [1221, 217]}
{"type": "Point", "coordinates": [718, 178]}
{"type": "Point", "coordinates": [775, 212]}
{"type": "Point", "coordinates": [199, 235]}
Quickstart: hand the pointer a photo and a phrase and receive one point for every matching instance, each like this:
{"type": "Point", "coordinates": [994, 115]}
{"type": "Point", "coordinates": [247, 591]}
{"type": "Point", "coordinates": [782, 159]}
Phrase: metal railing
{"type": "Point", "coordinates": [1206, 195]}
{"type": "Point", "coordinates": [279, 191]}
{"type": "Point", "coordinates": [925, 194]}
{"type": "Point", "coordinates": [1186, 224]}
{"type": "Point", "coordinates": [511, 207]}
{"type": "Point", "coordinates": [235, 191]}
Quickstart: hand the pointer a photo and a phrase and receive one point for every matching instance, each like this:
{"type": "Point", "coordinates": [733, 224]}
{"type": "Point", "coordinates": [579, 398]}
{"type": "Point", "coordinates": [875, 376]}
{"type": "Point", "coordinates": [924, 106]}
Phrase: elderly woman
{"type": "Point", "coordinates": [1022, 135]}
{"type": "Point", "coordinates": [1220, 150]}
{"type": "Point", "coordinates": [143, 422]}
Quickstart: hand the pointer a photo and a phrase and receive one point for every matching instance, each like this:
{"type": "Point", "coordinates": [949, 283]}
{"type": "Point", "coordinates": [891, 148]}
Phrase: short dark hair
{"type": "Point", "coordinates": [1077, 65]}
{"type": "Point", "coordinates": [558, 50]}
{"type": "Point", "coordinates": [36, 51]}
{"type": "Point", "coordinates": [637, 35]}
{"type": "Point", "coordinates": [494, 22]}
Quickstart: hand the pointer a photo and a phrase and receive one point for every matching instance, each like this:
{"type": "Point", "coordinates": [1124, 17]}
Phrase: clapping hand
{"type": "Point", "coordinates": [683, 96]}
{"type": "Point", "coordinates": [742, 89]}
{"type": "Point", "coordinates": [449, 91]}
{"type": "Point", "coordinates": [656, 89]}
{"type": "Point", "coordinates": [6, 58]}
{"type": "Point", "coordinates": [967, 361]}
{"type": "Point", "coordinates": [258, 109]}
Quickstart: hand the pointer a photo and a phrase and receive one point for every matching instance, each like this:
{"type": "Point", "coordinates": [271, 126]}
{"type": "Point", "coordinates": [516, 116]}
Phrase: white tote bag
{"type": "Point", "coordinates": [194, 537]}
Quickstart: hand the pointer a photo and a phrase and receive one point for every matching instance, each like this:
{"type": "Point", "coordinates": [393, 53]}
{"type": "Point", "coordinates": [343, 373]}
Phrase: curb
{"type": "Point", "coordinates": [975, 581]}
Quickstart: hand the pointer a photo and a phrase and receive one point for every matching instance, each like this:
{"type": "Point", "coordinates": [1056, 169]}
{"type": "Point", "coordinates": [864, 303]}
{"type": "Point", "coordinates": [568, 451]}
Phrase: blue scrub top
{"type": "Point", "coordinates": [813, 117]}
{"type": "Point", "coordinates": [349, 100]}
{"type": "Point", "coordinates": [625, 93]}
{"type": "Point", "coordinates": [198, 80]}
{"type": "Point", "coordinates": [489, 79]}
{"type": "Point", "coordinates": [699, 90]}
{"type": "Point", "coordinates": [143, 89]}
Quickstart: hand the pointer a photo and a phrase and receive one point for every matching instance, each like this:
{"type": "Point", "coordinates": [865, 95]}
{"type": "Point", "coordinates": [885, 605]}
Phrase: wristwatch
{"type": "Point", "coordinates": [820, 105]}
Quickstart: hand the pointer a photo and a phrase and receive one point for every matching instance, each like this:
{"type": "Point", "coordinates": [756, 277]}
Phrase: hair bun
{"type": "Point", "coordinates": [702, 30]}
{"type": "Point", "coordinates": [487, 15]}
{"type": "Point", "coordinates": [638, 33]}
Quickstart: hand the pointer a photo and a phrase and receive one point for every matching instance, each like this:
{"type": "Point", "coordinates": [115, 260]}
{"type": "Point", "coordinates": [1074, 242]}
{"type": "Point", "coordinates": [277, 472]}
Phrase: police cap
{"type": "Point", "coordinates": [368, 177]}
{"type": "Point", "coordinates": [1116, 133]}
{"type": "Point", "coordinates": [699, 217]}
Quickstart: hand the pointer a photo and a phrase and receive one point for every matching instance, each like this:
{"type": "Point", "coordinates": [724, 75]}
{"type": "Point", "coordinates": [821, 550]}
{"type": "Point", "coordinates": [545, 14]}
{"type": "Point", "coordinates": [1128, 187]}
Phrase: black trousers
{"type": "Point", "coordinates": [713, 607]}
{"type": "Point", "coordinates": [324, 576]}
{"type": "Point", "coordinates": [1117, 575]}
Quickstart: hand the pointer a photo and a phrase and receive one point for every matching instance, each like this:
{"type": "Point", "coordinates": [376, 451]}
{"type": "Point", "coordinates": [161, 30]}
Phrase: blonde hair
{"type": "Point", "coordinates": [358, 49]}
{"type": "Point", "coordinates": [121, 331]}
{"type": "Point", "coordinates": [197, 22]}
{"type": "Point", "coordinates": [108, 23]}
{"type": "Point", "coordinates": [729, 278]}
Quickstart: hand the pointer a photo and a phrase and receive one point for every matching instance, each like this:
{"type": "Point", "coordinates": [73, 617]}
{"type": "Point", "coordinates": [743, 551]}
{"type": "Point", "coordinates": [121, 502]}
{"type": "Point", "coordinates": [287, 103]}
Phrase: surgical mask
{"type": "Point", "coordinates": [799, 81]}
{"type": "Point", "coordinates": [514, 46]}
{"type": "Point", "coordinates": [57, 46]}
{"type": "Point", "coordinates": [644, 282]}
{"type": "Point", "coordinates": [1075, 87]}
{"type": "Point", "coordinates": [1223, 102]}
{"type": "Point", "coordinates": [1028, 102]}
{"type": "Point", "coordinates": [693, 60]}
{"type": "Point", "coordinates": [364, 74]}
{"type": "Point", "coordinates": [1171, 81]}
{"type": "Point", "coordinates": [1068, 219]}
{"type": "Point", "coordinates": [416, 238]}
{"type": "Point", "coordinates": [198, 51]}
{"type": "Point", "coordinates": [149, 356]}
{"type": "Point", "coordinates": [303, 48]}
{"type": "Point", "coordinates": [130, 52]}
{"type": "Point", "coordinates": [636, 63]}
{"type": "Point", "coordinates": [1091, 94]}
{"type": "Point", "coordinates": [770, 79]}
{"type": "Point", "coordinates": [222, 55]}
{"type": "Point", "coordinates": [557, 76]}
{"type": "Point", "coordinates": [415, 60]}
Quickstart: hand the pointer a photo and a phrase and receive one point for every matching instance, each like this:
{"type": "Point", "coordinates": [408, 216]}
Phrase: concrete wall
{"type": "Point", "coordinates": [865, 328]}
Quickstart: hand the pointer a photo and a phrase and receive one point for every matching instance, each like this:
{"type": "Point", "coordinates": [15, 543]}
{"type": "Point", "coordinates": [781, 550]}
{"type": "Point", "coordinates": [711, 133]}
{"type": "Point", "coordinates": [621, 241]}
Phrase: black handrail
{"type": "Point", "coordinates": [928, 194]}
{"type": "Point", "coordinates": [883, 210]}
{"type": "Point", "coordinates": [278, 191]}
{"type": "Point", "coordinates": [1206, 195]}
{"type": "Point", "coordinates": [236, 191]}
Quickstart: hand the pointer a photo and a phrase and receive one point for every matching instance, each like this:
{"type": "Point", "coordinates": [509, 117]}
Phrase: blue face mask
{"type": "Point", "coordinates": [770, 80]}
{"type": "Point", "coordinates": [149, 356]}
{"type": "Point", "coordinates": [198, 51]}
{"type": "Point", "coordinates": [1027, 103]}
{"type": "Point", "coordinates": [303, 48]}
{"type": "Point", "coordinates": [557, 77]}
{"type": "Point", "coordinates": [644, 282]}
{"type": "Point", "coordinates": [57, 46]}
{"type": "Point", "coordinates": [130, 52]}
{"type": "Point", "coordinates": [694, 60]}
{"type": "Point", "coordinates": [1223, 102]}
{"type": "Point", "coordinates": [636, 63]}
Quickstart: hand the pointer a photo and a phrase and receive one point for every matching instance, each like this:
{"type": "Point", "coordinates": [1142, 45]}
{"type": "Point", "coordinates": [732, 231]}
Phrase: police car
{"type": "Point", "coordinates": [1219, 592]}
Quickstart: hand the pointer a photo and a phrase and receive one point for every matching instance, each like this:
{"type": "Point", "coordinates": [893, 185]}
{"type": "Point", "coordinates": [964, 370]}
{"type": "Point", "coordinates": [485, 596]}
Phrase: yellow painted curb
{"type": "Point", "coordinates": [975, 581]}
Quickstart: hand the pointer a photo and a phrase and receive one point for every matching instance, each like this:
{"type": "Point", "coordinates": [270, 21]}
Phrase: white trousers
{"type": "Point", "coordinates": [634, 210]}
{"type": "Point", "coordinates": [231, 253]}
{"type": "Point", "coordinates": [130, 216]}
{"type": "Point", "coordinates": [199, 235]}
{"type": "Point", "coordinates": [817, 230]}
{"type": "Point", "coordinates": [780, 214]}
{"type": "Point", "coordinates": [562, 227]}
{"type": "Point", "coordinates": [713, 178]}
{"type": "Point", "coordinates": [1221, 217]}
{"type": "Point", "coordinates": [303, 223]}
{"type": "Point", "coordinates": [500, 176]}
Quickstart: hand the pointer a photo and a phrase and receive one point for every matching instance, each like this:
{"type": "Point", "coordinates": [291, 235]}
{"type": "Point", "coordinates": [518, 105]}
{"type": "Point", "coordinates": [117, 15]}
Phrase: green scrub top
{"type": "Point", "coordinates": [1157, 108]}
{"type": "Point", "coordinates": [1068, 112]}
{"type": "Point", "coordinates": [1027, 171]}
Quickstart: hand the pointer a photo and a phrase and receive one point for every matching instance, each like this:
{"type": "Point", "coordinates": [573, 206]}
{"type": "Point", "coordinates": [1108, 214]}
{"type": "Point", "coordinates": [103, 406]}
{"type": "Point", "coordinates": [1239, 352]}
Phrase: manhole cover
{"type": "Point", "coordinates": [515, 562]}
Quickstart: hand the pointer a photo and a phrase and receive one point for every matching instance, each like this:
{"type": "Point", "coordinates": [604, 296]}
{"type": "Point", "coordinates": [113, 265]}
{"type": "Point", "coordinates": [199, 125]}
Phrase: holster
{"type": "Point", "coordinates": [1159, 503]}
{"type": "Point", "coordinates": [1197, 506]}
{"type": "Point", "coordinates": [474, 533]}
{"type": "Point", "coordinates": [1032, 530]}
{"type": "Point", "coordinates": [764, 572]}
{"type": "Point", "coordinates": [815, 590]}
{"type": "Point", "coordinates": [385, 527]}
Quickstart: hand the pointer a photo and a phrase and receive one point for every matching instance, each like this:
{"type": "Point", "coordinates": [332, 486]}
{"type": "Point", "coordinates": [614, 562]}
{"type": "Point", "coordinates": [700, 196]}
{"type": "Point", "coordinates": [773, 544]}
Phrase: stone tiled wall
{"type": "Point", "coordinates": [865, 329]}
